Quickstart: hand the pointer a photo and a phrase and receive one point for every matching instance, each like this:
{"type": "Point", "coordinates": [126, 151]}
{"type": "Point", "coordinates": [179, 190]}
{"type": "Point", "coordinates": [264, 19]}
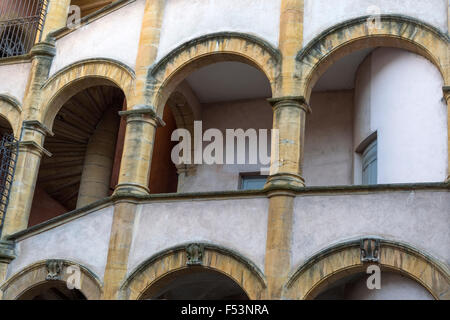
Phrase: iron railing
{"type": "Point", "coordinates": [9, 148]}
{"type": "Point", "coordinates": [21, 23]}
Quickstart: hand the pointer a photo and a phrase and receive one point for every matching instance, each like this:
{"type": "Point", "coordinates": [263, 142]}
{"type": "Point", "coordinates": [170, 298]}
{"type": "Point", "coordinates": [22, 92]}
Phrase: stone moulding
{"type": "Point", "coordinates": [355, 21]}
{"type": "Point", "coordinates": [239, 194]}
{"type": "Point", "coordinates": [218, 36]}
{"type": "Point", "coordinates": [396, 31]}
{"type": "Point", "coordinates": [38, 272]}
{"type": "Point", "coordinates": [183, 262]}
{"type": "Point", "coordinates": [15, 103]}
{"type": "Point", "coordinates": [7, 251]}
{"type": "Point", "coordinates": [345, 256]}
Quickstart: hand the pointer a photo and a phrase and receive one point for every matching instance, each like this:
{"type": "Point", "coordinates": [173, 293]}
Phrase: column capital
{"type": "Point", "coordinates": [290, 101]}
{"type": "Point", "coordinates": [138, 113]}
{"type": "Point", "coordinates": [7, 251]}
{"type": "Point", "coordinates": [33, 146]}
{"type": "Point", "coordinates": [38, 126]}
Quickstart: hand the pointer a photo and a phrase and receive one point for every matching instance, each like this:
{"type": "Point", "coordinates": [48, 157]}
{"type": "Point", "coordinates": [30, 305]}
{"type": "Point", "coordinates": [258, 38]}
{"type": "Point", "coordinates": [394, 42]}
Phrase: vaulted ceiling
{"type": "Point", "coordinates": [60, 174]}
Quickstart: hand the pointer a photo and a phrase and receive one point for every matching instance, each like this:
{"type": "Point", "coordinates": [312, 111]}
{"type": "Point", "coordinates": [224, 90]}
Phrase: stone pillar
{"type": "Point", "coordinates": [27, 168]}
{"type": "Point", "coordinates": [119, 248]}
{"type": "Point", "coordinates": [289, 116]}
{"type": "Point", "coordinates": [137, 151]}
{"type": "Point", "coordinates": [7, 254]}
{"type": "Point", "coordinates": [148, 48]}
{"type": "Point", "coordinates": [56, 18]}
{"type": "Point", "coordinates": [278, 243]}
{"type": "Point", "coordinates": [446, 90]}
{"type": "Point", "coordinates": [99, 160]}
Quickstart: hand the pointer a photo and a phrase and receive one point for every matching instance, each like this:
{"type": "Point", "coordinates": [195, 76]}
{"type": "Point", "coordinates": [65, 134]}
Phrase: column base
{"type": "Point", "coordinates": [284, 180]}
{"type": "Point", "coordinates": [130, 188]}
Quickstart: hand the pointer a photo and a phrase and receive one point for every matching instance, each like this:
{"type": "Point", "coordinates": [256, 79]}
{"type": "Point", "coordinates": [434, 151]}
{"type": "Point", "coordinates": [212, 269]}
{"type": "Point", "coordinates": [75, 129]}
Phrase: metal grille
{"type": "Point", "coordinates": [9, 147]}
{"type": "Point", "coordinates": [21, 23]}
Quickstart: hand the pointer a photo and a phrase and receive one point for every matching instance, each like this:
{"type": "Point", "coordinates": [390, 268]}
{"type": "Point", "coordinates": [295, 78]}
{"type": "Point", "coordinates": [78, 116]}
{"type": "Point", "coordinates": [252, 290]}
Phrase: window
{"type": "Point", "coordinates": [369, 164]}
{"type": "Point", "coordinates": [253, 182]}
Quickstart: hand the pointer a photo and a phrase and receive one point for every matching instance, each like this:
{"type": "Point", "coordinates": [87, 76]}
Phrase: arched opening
{"type": "Point", "coordinates": [392, 286]}
{"type": "Point", "coordinates": [195, 283]}
{"type": "Point", "coordinates": [218, 103]}
{"type": "Point", "coordinates": [86, 151]}
{"type": "Point", "coordinates": [5, 127]}
{"type": "Point", "coordinates": [378, 118]}
{"type": "Point", "coordinates": [52, 290]}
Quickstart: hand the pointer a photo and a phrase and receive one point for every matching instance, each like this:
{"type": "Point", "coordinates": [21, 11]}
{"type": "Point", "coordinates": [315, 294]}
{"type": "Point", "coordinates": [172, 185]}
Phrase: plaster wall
{"type": "Point", "coordinates": [328, 140]}
{"type": "Point", "coordinates": [237, 224]}
{"type": "Point", "coordinates": [322, 14]}
{"type": "Point", "coordinates": [84, 240]}
{"type": "Point", "coordinates": [246, 114]}
{"type": "Point", "coordinates": [114, 36]}
{"type": "Point", "coordinates": [399, 95]}
{"type": "Point", "coordinates": [14, 79]}
{"type": "Point", "coordinates": [188, 19]}
{"type": "Point", "coordinates": [419, 218]}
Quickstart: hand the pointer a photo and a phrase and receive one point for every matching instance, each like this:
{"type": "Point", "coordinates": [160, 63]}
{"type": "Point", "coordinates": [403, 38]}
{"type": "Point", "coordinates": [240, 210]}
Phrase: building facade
{"type": "Point", "coordinates": [353, 94]}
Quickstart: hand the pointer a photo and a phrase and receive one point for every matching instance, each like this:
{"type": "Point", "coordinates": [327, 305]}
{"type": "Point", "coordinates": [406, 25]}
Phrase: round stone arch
{"type": "Point", "coordinates": [10, 110]}
{"type": "Point", "coordinates": [180, 258]}
{"type": "Point", "coordinates": [345, 259]}
{"type": "Point", "coordinates": [40, 272]}
{"type": "Point", "coordinates": [395, 31]}
{"type": "Point", "coordinates": [79, 76]}
{"type": "Point", "coordinates": [166, 74]}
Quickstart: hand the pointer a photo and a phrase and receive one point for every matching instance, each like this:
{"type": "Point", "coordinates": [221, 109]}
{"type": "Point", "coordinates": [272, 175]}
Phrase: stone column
{"type": "Point", "coordinates": [289, 113]}
{"type": "Point", "coordinates": [289, 116]}
{"type": "Point", "coordinates": [99, 160]}
{"type": "Point", "coordinates": [27, 168]}
{"type": "Point", "coordinates": [137, 151]}
{"type": "Point", "coordinates": [56, 18]}
{"type": "Point", "coordinates": [446, 90]}
{"type": "Point", "coordinates": [7, 254]}
{"type": "Point", "coordinates": [119, 248]}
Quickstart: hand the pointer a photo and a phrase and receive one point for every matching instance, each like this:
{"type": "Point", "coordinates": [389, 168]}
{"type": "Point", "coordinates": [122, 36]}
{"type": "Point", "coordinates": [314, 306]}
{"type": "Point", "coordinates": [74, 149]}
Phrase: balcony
{"type": "Point", "coordinates": [21, 24]}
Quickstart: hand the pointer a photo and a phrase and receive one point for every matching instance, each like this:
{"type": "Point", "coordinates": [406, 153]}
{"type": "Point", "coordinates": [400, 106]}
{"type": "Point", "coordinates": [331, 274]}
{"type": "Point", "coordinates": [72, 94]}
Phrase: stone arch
{"type": "Point", "coordinates": [230, 263]}
{"type": "Point", "coordinates": [165, 75]}
{"type": "Point", "coordinates": [36, 274]}
{"type": "Point", "coordinates": [11, 110]}
{"type": "Point", "coordinates": [79, 76]}
{"type": "Point", "coordinates": [344, 259]}
{"type": "Point", "coordinates": [396, 31]}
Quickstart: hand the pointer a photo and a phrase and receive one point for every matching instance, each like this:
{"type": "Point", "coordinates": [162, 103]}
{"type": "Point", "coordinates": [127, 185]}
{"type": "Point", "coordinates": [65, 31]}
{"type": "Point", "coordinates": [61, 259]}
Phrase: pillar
{"type": "Point", "coordinates": [289, 118]}
{"type": "Point", "coordinates": [7, 254]}
{"type": "Point", "coordinates": [137, 151]}
{"type": "Point", "coordinates": [27, 168]}
{"type": "Point", "coordinates": [289, 115]}
{"type": "Point", "coordinates": [99, 160]}
{"type": "Point", "coordinates": [141, 124]}
{"type": "Point", "coordinates": [56, 18]}
{"type": "Point", "coordinates": [119, 248]}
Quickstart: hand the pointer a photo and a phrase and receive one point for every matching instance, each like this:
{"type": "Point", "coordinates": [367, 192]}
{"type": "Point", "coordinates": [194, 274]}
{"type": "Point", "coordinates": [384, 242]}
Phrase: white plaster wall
{"type": "Point", "coordinates": [114, 36]}
{"type": "Point", "coordinates": [237, 224]}
{"type": "Point", "coordinates": [322, 14]}
{"type": "Point", "coordinates": [399, 95]}
{"type": "Point", "coordinates": [14, 79]}
{"type": "Point", "coordinates": [328, 151]}
{"type": "Point", "coordinates": [419, 218]}
{"type": "Point", "coordinates": [393, 287]}
{"type": "Point", "coordinates": [189, 19]}
{"type": "Point", "coordinates": [84, 240]}
{"type": "Point", "coordinates": [248, 114]}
